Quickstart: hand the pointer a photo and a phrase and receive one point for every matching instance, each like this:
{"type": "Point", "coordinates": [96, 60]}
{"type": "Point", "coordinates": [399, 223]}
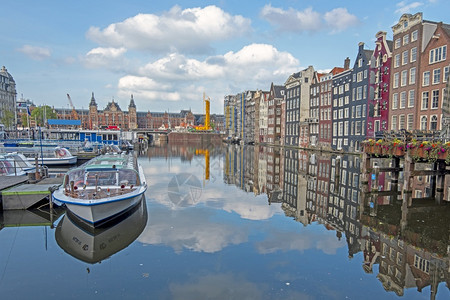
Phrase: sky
{"type": "Point", "coordinates": [167, 54]}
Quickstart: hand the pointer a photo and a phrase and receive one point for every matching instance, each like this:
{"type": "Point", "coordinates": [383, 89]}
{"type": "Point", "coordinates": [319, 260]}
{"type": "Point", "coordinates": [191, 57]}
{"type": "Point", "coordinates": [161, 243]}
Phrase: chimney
{"type": "Point", "coordinates": [346, 64]}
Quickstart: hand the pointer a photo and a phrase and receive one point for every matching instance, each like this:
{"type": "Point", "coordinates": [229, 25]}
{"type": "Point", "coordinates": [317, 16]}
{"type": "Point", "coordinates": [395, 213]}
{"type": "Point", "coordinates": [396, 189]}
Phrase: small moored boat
{"type": "Point", "coordinates": [103, 188]}
{"type": "Point", "coordinates": [56, 156]}
{"type": "Point", "coordinates": [15, 164]}
{"type": "Point", "coordinates": [45, 155]}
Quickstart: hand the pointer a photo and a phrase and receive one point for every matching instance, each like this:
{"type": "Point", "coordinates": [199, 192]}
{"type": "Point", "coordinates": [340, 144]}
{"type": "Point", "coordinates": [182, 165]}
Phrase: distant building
{"type": "Point", "coordinates": [7, 97]}
{"type": "Point", "coordinates": [229, 105]}
{"type": "Point", "coordinates": [297, 105]}
{"type": "Point", "coordinates": [113, 115]}
{"type": "Point", "coordinates": [325, 106]}
{"type": "Point", "coordinates": [314, 108]}
{"type": "Point", "coordinates": [276, 96]}
{"type": "Point", "coordinates": [263, 107]}
{"type": "Point", "coordinates": [250, 117]}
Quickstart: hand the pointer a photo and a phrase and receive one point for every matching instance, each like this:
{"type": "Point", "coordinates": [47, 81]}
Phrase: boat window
{"type": "Point", "coordinates": [128, 177]}
{"type": "Point", "coordinates": [20, 162]}
{"type": "Point", "coordinates": [6, 168]}
{"type": "Point", "coordinates": [77, 176]}
{"type": "Point", "coordinates": [104, 178]}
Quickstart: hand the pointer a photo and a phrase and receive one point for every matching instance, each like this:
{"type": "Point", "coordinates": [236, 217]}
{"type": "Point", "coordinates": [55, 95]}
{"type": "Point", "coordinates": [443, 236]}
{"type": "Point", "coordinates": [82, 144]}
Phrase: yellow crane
{"type": "Point", "coordinates": [207, 125]}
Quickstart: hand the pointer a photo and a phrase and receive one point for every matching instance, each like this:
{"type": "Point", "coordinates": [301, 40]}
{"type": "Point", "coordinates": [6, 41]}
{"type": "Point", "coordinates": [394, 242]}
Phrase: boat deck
{"type": "Point", "coordinates": [92, 194]}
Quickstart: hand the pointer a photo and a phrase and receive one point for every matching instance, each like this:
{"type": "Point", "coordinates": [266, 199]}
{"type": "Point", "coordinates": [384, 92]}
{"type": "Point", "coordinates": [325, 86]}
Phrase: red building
{"type": "Point", "coordinates": [379, 79]}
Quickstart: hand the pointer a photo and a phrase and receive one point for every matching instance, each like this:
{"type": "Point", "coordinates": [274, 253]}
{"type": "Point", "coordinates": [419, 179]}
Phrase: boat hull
{"type": "Point", "coordinates": [99, 214]}
{"type": "Point", "coordinates": [55, 161]}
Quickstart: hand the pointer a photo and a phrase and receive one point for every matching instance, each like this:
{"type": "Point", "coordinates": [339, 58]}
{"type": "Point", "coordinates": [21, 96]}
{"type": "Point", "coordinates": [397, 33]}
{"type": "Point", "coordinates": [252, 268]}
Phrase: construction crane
{"type": "Point", "coordinates": [74, 114]}
{"type": "Point", "coordinates": [207, 125]}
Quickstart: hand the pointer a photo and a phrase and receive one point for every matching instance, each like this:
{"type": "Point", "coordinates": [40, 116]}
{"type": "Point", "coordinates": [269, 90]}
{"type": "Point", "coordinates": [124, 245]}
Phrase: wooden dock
{"type": "Point", "coordinates": [9, 181]}
{"type": "Point", "coordinates": [26, 196]}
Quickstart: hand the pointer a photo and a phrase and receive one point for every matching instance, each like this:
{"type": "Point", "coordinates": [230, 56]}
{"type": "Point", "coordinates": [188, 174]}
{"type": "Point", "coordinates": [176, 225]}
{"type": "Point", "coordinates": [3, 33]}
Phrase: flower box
{"type": "Point", "coordinates": [398, 151]}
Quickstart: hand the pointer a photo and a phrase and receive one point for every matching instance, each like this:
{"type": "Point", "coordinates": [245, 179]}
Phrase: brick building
{"type": "Point", "coordinates": [379, 77]}
{"type": "Point", "coordinates": [411, 36]}
{"type": "Point", "coordinates": [434, 73]}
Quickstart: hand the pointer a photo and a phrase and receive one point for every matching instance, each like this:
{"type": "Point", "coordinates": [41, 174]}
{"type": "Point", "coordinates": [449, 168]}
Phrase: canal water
{"type": "Point", "coordinates": [231, 222]}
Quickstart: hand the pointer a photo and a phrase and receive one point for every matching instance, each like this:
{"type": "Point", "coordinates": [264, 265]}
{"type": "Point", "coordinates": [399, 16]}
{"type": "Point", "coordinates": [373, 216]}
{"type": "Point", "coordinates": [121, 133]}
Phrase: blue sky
{"type": "Point", "coordinates": [168, 53]}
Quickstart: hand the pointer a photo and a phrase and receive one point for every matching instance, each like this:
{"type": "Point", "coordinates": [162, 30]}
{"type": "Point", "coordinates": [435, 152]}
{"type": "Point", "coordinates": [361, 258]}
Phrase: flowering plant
{"type": "Point", "coordinates": [430, 150]}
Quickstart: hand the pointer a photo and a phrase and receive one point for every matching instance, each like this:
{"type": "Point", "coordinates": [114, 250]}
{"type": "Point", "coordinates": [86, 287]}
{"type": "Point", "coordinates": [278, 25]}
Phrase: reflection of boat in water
{"type": "Point", "coordinates": [103, 188]}
{"type": "Point", "coordinates": [92, 245]}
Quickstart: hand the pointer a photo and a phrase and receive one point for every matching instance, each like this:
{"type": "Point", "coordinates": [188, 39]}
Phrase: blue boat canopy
{"type": "Point", "coordinates": [64, 122]}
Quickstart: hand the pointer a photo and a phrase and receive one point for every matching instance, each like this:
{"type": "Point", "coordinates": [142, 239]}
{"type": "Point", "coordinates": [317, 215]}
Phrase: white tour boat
{"type": "Point", "coordinates": [103, 188]}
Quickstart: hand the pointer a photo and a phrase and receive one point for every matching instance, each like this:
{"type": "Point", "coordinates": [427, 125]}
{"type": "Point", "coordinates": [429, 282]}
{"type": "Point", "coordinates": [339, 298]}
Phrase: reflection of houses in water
{"type": "Point", "coordinates": [249, 169]}
{"type": "Point", "coordinates": [295, 184]}
{"type": "Point", "coordinates": [261, 169]}
{"type": "Point", "coordinates": [343, 204]}
{"type": "Point", "coordinates": [412, 250]}
{"type": "Point", "coordinates": [273, 169]}
{"type": "Point", "coordinates": [229, 168]}
{"type": "Point", "coordinates": [336, 202]}
{"type": "Point", "coordinates": [407, 252]}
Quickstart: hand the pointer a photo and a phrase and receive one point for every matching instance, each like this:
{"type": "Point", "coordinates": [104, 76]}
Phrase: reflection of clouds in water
{"type": "Point", "coordinates": [184, 190]}
{"type": "Point", "coordinates": [228, 198]}
{"type": "Point", "coordinates": [232, 286]}
{"type": "Point", "coordinates": [252, 209]}
{"type": "Point", "coordinates": [300, 241]}
{"type": "Point", "coordinates": [189, 229]}
{"type": "Point", "coordinates": [217, 286]}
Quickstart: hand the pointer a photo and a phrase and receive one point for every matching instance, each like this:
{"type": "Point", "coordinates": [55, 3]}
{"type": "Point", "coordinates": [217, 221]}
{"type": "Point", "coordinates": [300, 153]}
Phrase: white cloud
{"type": "Point", "coordinates": [291, 19]}
{"type": "Point", "coordinates": [189, 30]}
{"type": "Point", "coordinates": [309, 20]}
{"type": "Point", "coordinates": [104, 57]}
{"type": "Point", "coordinates": [405, 7]}
{"type": "Point", "coordinates": [340, 19]}
{"type": "Point", "coordinates": [35, 52]}
{"type": "Point", "coordinates": [176, 77]}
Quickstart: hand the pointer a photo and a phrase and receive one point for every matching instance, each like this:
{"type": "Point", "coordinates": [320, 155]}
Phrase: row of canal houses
{"type": "Point", "coordinates": [400, 84]}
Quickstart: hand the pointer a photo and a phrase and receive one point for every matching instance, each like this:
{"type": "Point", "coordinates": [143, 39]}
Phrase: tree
{"type": "Point", "coordinates": [8, 119]}
{"type": "Point", "coordinates": [41, 114]}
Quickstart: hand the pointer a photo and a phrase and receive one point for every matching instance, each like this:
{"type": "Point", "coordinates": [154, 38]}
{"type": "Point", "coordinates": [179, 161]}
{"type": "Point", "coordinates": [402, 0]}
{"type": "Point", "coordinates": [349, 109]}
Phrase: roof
{"type": "Point", "coordinates": [64, 122]}
{"type": "Point", "coordinates": [111, 104]}
{"type": "Point", "coordinates": [109, 162]}
{"type": "Point", "coordinates": [337, 70]}
{"type": "Point", "coordinates": [368, 54]}
{"type": "Point", "coordinates": [446, 28]}
{"type": "Point", "coordinates": [4, 72]}
{"type": "Point", "coordinates": [278, 90]}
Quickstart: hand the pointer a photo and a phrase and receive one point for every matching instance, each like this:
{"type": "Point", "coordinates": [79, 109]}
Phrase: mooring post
{"type": "Point", "coordinates": [433, 179]}
{"type": "Point", "coordinates": [408, 180]}
{"type": "Point", "coordinates": [37, 173]}
{"type": "Point", "coordinates": [440, 182]}
{"type": "Point", "coordinates": [394, 176]}
{"type": "Point", "coordinates": [366, 167]}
